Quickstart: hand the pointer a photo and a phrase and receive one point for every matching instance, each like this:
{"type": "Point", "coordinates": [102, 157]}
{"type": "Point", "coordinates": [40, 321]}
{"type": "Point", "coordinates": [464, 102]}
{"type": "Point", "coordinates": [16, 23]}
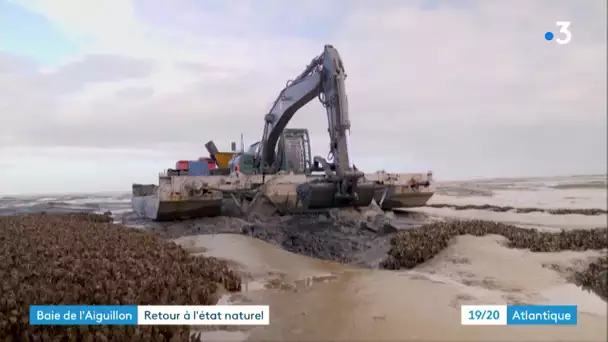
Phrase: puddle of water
{"type": "Point", "coordinates": [258, 257]}
{"type": "Point", "coordinates": [470, 291]}
{"type": "Point", "coordinates": [384, 306]}
{"type": "Point", "coordinates": [277, 283]}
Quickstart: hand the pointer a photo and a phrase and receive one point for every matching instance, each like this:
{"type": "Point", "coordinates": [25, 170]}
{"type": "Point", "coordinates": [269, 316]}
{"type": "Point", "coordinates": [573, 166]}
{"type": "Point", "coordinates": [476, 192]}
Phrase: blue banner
{"type": "Point", "coordinates": [149, 315]}
{"type": "Point", "coordinates": [542, 315]}
{"type": "Point", "coordinates": [83, 315]}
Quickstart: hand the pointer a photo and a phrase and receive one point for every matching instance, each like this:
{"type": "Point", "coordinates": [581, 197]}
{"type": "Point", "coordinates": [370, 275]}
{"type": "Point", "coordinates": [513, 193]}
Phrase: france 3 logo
{"type": "Point", "coordinates": [563, 37]}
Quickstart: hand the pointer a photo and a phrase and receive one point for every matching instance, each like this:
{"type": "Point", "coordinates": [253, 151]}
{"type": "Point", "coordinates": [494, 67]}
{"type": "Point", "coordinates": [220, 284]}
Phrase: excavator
{"type": "Point", "coordinates": [333, 181]}
{"type": "Point", "coordinates": [279, 170]}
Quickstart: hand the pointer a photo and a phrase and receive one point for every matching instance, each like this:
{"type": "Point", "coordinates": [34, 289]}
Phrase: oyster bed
{"type": "Point", "coordinates": [85, 259]}
{"type": "Point", "coordinates": [503, 209]}
{"type": "Point", "coordinates": [595, 277]}
{"type": "Point", "coordinates": [412, 247]}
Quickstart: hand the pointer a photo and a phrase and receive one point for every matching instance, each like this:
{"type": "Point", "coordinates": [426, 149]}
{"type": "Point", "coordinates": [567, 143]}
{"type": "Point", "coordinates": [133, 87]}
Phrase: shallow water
{"type": "Point", "coordinates": [574, 192]}
{"type": "Point", "coordinates": [320, 300]}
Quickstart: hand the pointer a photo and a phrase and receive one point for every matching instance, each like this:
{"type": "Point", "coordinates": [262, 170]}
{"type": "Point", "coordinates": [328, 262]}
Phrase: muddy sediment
{"type": "Point", "coordinates": [85, 259]}
{"type": "Point", "coordinates": [344, 242]}
{"type": "Point", "coordinates": [345, 236]}
{"type": "Point", "coordinates": [502, 209]}
{"type": "Point", "coordinates": [413, 247]}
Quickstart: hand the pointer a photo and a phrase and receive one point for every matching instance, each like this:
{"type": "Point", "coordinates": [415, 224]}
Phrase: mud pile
{"type": "Point", "coordinates": [360, 237]}
{"type": "Point", "coordinates": [84, 259]}
{"type": "Point", "coordinates": [412, 247]}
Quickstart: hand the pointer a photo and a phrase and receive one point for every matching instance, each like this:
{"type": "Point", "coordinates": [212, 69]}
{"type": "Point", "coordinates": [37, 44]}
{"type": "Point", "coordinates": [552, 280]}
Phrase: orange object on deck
{"type": "Point", "coordinates": [223, 158]}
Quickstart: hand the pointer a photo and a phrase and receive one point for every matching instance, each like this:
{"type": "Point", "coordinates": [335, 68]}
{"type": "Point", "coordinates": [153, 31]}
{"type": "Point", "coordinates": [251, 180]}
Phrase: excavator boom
{"type": "Point", "coordinates": [324, 78]}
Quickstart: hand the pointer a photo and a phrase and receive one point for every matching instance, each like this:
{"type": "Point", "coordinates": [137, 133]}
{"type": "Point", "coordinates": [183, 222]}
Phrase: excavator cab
{"type": "Point", "coordinates": [294, 151]}
{"type": "Point", "coordinates": [293, 154]}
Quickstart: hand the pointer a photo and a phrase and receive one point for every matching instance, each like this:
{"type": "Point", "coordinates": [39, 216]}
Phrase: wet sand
{"type": "Point", "coordinates": [316, 300]}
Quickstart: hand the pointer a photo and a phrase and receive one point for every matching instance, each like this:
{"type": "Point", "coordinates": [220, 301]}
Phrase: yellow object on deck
{"type": "Point", "coordinates": [223, 158]}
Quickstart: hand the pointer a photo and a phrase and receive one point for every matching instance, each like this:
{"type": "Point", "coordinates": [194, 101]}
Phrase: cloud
{"type": "Point", "coordinates": [10, 64]}
{"type": "Point", "coordinates": [42, 108]}
{"type": "Point", "coordinates": [100, 68]}
{"type": "Point", "coordinates": [467, 88]}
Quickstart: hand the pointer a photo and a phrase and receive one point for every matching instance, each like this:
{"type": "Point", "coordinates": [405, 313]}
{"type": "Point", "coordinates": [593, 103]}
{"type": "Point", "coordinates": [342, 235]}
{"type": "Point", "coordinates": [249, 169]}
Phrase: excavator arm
{"type": "Point", "coordinates": [323, 78]}
{"type": "Point", "coordinates": [296, 95]}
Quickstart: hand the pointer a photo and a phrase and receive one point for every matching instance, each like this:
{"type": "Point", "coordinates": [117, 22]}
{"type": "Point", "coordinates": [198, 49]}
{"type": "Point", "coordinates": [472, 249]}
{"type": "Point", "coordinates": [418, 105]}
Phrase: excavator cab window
{"type": "Point", "coordinates": [254, 149]}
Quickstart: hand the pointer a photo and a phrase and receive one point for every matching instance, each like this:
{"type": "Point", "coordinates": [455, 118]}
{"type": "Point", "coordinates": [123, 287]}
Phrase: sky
{"type": "Point", "coordinates": [96, 95]}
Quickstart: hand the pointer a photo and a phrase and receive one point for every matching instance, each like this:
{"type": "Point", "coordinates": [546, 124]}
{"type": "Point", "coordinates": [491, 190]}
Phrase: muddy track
{"type": "Point", "coordinates": [502, 209]}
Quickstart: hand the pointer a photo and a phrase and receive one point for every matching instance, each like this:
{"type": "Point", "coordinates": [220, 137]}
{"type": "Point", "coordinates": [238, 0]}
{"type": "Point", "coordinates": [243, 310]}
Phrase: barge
{"type": "Point", "coordinates": [179, 197]}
